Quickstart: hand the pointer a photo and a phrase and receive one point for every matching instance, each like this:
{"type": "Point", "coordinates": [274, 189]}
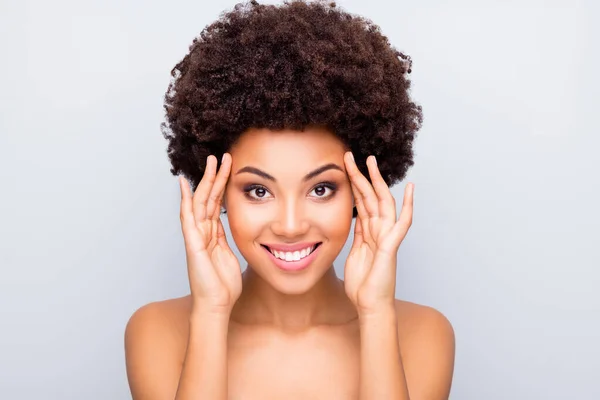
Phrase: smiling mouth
{"type": "Point", "coordinates": [291, 256]}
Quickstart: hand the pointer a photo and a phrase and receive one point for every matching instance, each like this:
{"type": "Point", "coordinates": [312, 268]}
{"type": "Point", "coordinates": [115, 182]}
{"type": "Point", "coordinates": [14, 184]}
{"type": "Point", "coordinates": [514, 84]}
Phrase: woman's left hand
{"type": "Point", "coordinates": [370, 270]}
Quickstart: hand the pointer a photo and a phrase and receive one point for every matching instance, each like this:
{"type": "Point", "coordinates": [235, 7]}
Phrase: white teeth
{"type": "Point", "coordinates": [292, 256]}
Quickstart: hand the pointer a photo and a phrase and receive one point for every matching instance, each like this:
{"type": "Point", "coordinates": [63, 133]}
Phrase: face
{"type": "Point", "coordinates": [289, 204]}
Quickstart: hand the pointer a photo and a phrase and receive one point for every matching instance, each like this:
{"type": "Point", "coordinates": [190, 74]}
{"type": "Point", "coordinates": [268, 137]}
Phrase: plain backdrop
{"type": "Point", "coordinates": [506, 227]}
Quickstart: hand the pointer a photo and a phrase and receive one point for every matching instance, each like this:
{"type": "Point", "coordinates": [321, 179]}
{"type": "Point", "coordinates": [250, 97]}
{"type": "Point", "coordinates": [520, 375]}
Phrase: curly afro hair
{"type": "Point", "coordinates": [291, 66]}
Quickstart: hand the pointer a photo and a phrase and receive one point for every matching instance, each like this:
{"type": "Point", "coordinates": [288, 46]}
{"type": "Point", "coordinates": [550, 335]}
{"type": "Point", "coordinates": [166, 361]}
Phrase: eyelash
{"type": "Point", "coordinates": [328, 185]}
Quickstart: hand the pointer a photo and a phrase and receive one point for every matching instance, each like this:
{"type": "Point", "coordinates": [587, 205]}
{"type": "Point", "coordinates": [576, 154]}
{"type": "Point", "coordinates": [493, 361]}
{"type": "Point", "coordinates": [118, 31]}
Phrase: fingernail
{"type": "Point", "coordinates": [375, 160]}
{"type": "Point", "coordinates": [223, 158]}
{"type": "Point", "coordinates": [352, 156]}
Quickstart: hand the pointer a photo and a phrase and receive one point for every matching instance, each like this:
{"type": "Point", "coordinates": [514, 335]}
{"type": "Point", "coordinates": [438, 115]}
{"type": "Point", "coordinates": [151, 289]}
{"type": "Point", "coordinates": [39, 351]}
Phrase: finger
{"type": "Point", "coordinates": [227, 174]}
{"type": "Point", "coordinates": [358, 203]}
{"type": "Point", "coordinates": [188, 225]}
{"type": "Point", "coordinates": [186, 213]}
{"type": "Point", "coordinates": [406, 215]}
{"type": "Point", "coordinates": [358, 234]}
{"type": "Point", "coordinates": [231, 275]}
{"type": "Point", "coordinates": [185, 193]}
{"type": "Point", "coordinates": [203, 190]}
{"type": "Point", "coordinates": [215, 197]}
{"type": "Point", "coordinates": [194, 245]}
{"type": "Point", "coordinates": [362, 214]}
{"type": "Point", "coordinates": [367, 194]}
{"type": "Point", "coordinates": [387, 204]}
{"type": "Point", "coordinates": [221, 237]}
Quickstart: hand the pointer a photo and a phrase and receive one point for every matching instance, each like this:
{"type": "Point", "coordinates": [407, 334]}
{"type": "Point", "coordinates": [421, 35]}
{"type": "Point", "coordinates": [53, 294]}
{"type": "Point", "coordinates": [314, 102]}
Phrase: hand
{"type": "Point", "coordinates": [213, 270]}
{"type": "Point", "coordinates": [370, 270]}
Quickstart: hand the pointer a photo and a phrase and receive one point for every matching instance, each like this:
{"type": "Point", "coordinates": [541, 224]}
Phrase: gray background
{"type": "Point", "coordinates": [505, 233]}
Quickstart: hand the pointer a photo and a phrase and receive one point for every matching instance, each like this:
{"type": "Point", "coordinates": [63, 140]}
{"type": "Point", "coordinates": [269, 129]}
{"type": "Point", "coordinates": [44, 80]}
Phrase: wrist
{"type": "Point", "coordinates": [205, 314]}
{"type": "Point", "coordinates": [381, 313]}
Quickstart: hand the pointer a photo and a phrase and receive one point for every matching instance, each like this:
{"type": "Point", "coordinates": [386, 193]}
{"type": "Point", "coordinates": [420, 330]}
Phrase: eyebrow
{"type": "Point", "coordinates": [310, 175]}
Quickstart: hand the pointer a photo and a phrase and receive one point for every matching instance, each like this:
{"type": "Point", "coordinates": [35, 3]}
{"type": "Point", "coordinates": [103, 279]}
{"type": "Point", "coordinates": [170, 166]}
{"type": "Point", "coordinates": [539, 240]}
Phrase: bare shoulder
{"type": "Point", "coordinates": [427, 344]}
{"type": "Point", "coordinates": [413, 316]}
{"type": "Point", "coordinates": [170, 316]}
{"type": "Point", "coordinates": [155, 340]}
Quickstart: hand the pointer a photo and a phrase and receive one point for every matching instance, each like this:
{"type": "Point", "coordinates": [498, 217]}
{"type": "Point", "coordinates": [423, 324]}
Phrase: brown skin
{"type": "Point", "coordinates": [290, 335]}
{"type": "Point", "coordinates": [290, 212]}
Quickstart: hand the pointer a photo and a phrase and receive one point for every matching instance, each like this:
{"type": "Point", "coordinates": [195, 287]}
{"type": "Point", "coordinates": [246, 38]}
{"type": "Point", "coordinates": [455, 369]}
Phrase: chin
{"type": "Point", "coordinates": [292, 276]}
{"type": "Point", "coordinates": [292, 282]}
{"type": "Point", "coordinates": [292, 286]}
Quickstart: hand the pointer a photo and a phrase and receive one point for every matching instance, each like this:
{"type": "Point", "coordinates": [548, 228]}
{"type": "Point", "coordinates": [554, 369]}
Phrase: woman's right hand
{"type": "Point", "coordinates": [213, 270]}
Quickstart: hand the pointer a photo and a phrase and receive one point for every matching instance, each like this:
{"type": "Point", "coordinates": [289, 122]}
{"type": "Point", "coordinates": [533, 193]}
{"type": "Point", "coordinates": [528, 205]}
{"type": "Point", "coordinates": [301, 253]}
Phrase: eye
{"type": "Point", "coordinates": [324, 190]}
{"type": "Point", "coordinates": [256, 192]}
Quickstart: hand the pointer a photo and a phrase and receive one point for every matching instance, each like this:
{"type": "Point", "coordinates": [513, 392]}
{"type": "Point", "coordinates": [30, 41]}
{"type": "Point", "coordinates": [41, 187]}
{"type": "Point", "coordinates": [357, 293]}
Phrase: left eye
{"type": "Point", "coordinates": [322, 191]}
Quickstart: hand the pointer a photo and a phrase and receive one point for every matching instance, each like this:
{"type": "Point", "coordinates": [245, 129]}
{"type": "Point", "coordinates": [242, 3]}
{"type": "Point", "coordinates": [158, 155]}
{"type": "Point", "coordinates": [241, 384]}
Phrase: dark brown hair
{"type": "Point", "coordinates": [291, 66]}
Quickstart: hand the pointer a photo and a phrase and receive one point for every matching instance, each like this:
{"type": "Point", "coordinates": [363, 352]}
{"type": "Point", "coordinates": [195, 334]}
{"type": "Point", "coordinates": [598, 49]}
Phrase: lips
{"type": "Point", "coordinates": [287, 257]}
{"type": "Point", "coordinates": [290, 247]}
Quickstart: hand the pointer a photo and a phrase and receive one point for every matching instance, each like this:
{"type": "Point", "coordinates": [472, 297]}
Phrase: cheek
{"type": "Point", "coordinates": [335, 219]}
{"type": "Point", "coordinates": [245, 223]}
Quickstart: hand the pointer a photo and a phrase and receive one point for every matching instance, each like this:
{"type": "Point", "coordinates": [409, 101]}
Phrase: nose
{"type": "Point", "coordinates": [290, 221]}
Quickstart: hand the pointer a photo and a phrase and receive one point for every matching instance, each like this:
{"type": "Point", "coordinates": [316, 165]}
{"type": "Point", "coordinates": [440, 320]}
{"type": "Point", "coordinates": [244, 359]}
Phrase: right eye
{"type": "Point", "coordinates": [256, 192]}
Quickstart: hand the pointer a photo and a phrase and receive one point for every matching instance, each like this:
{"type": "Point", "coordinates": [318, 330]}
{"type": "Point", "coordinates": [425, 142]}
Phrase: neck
{"type": "Point", "coordinates": [325, 303]}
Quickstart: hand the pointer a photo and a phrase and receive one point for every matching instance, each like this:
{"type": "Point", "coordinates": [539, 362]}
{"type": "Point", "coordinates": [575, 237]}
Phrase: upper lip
{"type": "Point", "coordinates": [290, 247]}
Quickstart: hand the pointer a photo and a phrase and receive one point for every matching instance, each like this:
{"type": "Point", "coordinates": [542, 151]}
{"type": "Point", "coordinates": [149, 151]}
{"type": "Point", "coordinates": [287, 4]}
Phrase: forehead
{"type": "Point", "coordinates": [287, 150]}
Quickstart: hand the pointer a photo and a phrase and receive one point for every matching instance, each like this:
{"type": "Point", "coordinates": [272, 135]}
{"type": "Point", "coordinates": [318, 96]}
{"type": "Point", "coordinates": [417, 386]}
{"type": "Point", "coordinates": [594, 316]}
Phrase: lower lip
{"type": "Point", "coordinates": [293, 265]}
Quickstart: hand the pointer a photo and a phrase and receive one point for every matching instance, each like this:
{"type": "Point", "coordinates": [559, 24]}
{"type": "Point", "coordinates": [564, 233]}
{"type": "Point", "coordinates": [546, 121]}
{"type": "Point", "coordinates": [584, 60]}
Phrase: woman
{"type": "Point", "coordinates": [293, 120]}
